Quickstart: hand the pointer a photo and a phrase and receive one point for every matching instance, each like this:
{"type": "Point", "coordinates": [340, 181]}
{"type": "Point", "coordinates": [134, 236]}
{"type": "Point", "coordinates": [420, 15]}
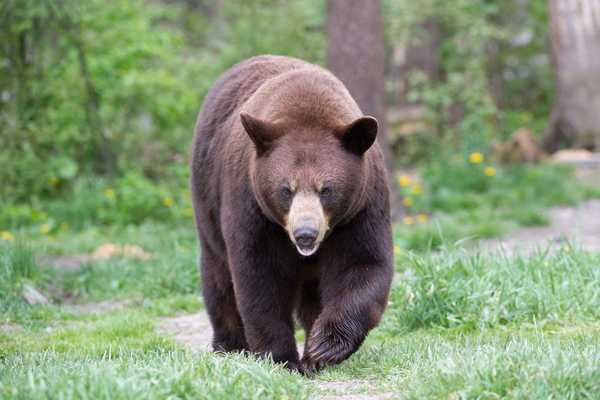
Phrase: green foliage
{"type": "Point", "coordinates": [94, 86]}
{"type": "Point", "coordinates": [493, 77]}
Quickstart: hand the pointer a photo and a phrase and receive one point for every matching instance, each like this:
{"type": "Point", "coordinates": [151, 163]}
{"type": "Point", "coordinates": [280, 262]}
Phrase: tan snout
{"type": "Point", "coordinates": [306, 223]}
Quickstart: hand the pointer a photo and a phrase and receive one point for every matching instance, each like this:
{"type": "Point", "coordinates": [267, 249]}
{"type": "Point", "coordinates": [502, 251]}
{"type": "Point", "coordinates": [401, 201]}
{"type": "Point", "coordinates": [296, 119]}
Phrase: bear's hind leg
{"type": "Point", "coordinates": [219, 300]}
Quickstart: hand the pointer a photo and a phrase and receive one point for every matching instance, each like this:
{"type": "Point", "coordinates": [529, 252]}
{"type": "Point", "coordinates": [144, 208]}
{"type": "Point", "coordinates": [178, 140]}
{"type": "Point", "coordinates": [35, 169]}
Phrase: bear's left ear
{"type": "Point", "coordinates": [360, 135]}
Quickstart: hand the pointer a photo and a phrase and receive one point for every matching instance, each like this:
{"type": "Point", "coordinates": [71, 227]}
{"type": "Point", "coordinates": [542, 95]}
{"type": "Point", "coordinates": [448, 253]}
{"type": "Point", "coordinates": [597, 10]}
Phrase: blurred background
{"type": "Point", "coordinates": [98, 99]}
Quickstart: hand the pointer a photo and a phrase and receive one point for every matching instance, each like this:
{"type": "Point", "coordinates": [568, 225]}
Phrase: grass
{"type": "Point", "coordinates": [460, 324]}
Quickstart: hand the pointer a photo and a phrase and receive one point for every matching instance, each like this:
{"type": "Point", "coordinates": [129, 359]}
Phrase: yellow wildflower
{"type": "Point", "coordinates": [53, 180]}
{"type": "Point", "coordinates": [404, 180]}
{"type": "Point", "coordinates": [397, 250]}
{"type": "Point", "coordinates": [422, 217]}
{"type": "Point", "coordinates": [167, 201]}
{"type": "Point", "coordinates": [407, 201]}
{"type": "Point", "coordinates": [408, 220]}
{"type": "Point", "coordinates": [416, 189]}
{"type": "Point", "coordinates": [489, 171]}
{"type": "Point", "coordinates": [6, 235]}
{"type": "Point", "coordinates": [45, 228]}
{"type": "Point", "coordinates": [109, 193]}
{"type": "Point", "coordinates": [475, 157]}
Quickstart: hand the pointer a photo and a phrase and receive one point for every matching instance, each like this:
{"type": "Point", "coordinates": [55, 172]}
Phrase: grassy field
{"type": "Point", "coordinates": [460, 324]}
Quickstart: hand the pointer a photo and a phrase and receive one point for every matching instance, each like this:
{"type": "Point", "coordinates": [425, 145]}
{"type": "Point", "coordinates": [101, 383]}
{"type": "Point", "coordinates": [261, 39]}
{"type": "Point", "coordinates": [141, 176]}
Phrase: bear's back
{"type": "Point", "coordinates": [236, 86]}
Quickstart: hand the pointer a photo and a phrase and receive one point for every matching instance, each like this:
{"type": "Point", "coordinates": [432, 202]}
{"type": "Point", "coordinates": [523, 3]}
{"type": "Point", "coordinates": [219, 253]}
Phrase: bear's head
{"type": "Point", "coordinates": [308, 178]}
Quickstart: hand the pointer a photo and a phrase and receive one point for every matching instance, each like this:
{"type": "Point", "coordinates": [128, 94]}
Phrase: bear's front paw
{"type": "Point", "coordinates": [328, 347]}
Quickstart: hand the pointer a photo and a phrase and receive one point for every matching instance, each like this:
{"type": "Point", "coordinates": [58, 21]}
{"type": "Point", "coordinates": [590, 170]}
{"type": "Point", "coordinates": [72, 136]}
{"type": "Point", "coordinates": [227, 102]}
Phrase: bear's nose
{"type": "Point", "coordinates": [305, 237]}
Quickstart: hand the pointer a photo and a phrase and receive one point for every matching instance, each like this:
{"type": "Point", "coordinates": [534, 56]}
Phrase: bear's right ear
{"type": "Point", "coordinates": [261, 132]}
{"type": "Point", "coordinates": [360, 135]}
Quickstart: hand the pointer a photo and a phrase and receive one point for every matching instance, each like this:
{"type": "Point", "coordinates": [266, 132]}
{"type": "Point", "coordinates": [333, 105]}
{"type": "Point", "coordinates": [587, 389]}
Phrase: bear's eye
{"type": "Point", "coordinates": [326, 191]}
{"type": "Point", "coordinates": [286, 193]}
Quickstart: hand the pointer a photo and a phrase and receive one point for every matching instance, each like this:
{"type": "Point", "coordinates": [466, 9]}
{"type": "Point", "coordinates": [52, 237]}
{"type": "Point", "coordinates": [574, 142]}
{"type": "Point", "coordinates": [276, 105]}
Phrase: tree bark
{"type": "Point", "coordinates": [355, 55]}
{"type": "Point", "coordinates": [575, 40]}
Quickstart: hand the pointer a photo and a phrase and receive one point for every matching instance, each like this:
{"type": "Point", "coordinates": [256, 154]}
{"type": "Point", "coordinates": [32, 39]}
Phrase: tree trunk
{"type": "Point", "coordinates": [575, 39]}
{"type": "Point", "coordinates": [355, 55]}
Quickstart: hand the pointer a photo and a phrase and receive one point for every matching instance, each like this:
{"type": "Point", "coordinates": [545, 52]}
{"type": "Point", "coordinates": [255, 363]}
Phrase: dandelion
{"type": "Point", "coordinates": [489, 171]}
{"type": "Point", "coordinates": [109, 193]}
{"type": "Point", "coordinates": [408, 220]}
{"type": "Point", "coordinates": [475, 157]}
{"type": "Point", "coordinates": [416, 189]}
{"type": "Point", "coordinates": [422, 217]}
{"type": "Point", "coordinates": [167, 201]}
{"type": "Point", "coordinates": [407, 201]}
{"type": "Point", "coordinates": [6, 235]}
{"type": "Point", "coordinates": [404, 180]}
{"type": "Point", "coordinates": [45, 228]}
{"type": "Point", "coordinates": [397, 250]}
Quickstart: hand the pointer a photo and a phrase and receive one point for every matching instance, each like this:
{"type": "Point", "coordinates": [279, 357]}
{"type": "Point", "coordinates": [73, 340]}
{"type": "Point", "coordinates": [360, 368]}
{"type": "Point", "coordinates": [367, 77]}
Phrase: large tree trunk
{"type": "Point", "coordinates": [575, 37]}
{"type": "Point", "coordinates": [356, 56]}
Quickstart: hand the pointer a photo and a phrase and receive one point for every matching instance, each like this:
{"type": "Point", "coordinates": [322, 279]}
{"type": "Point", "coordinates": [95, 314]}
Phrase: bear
{"type": "Point", "coordinates": [292, 210]}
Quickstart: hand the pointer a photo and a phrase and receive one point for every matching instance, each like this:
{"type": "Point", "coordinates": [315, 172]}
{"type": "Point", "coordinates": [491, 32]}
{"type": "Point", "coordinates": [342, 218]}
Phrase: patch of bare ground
{"type": "Point", "coordinates": [355, 389]}
{"type": "Point", "coordinates": [579, 225]}
{"type": "Point", "coordinates": [103, 252]}
{"type": "Point", "coordinates": [191, 330]}
{"type": "Point", "coordinates": [9, 328]}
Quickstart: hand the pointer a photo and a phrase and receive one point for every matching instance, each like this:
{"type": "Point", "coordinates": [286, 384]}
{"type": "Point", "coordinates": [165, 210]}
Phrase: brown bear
{"type": "Point", "coordinates": [292, 209]}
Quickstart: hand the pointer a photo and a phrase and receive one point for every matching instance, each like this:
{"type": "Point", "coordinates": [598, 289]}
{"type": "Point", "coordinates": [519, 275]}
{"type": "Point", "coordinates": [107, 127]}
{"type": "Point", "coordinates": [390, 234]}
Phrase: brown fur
{"type": "Point", "coordinates": [253, 278]}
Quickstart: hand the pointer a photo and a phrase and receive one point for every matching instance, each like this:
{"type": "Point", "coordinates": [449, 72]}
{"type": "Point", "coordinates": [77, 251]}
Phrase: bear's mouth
{"type": "Point", "coordinates": [307, 251]}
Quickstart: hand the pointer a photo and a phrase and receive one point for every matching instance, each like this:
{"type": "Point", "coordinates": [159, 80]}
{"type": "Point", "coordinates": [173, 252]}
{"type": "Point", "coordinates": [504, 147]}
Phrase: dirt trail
{"type": "Point", "coordinates": [579, 225]}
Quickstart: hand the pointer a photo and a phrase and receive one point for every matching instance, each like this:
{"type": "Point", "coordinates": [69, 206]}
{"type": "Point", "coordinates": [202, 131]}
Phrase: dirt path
{"type": "Point", "coordinates": [579, 225]}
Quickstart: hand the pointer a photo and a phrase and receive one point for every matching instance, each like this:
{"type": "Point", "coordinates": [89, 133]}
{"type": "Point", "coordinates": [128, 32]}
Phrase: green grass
{"type": "Point", "coordinates": [460, 324]}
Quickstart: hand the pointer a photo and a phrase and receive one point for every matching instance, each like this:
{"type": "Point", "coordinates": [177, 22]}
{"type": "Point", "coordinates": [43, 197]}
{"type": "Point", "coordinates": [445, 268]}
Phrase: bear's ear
{"type": "Point", "coordinates": [261, 132]}
{"type": "Point", "coordinates": [360, 135]}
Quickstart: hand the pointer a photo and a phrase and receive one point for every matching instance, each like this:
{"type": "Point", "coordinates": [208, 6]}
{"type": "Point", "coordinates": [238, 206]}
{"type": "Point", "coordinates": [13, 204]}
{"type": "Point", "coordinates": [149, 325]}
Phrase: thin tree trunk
{"type": "Point", "coordinates": [575, 38]}
{"type": "Point", "coordinates": [93, 111]}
